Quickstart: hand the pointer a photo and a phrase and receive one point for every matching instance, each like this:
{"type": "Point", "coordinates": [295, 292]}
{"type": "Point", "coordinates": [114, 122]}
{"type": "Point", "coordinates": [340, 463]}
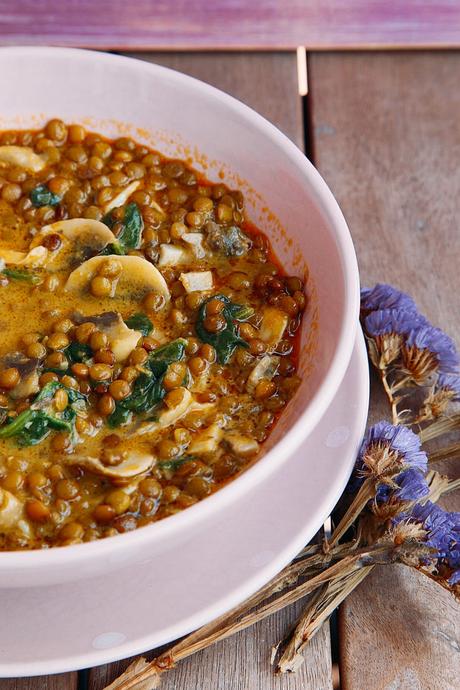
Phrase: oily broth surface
{"type": "Point", "coordinates": [64, 502]}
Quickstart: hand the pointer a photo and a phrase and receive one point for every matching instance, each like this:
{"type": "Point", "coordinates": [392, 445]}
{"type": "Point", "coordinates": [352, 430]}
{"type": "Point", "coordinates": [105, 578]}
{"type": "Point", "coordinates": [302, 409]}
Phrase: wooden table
{"type": "Point", "coordinates": [384, 130]}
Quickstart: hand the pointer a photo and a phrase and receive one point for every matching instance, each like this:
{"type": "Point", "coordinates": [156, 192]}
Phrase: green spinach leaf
{"type": "Point", "coordinates": [130, 236]}
{"type": "Point", "coordinates": [140, 322]}
{"type": "Point", "coordinates": [148, 390]}
{"type": "Point", "coordinates": [78, 352]}
{"type": "Point", "coordinates": [227, 340]}
{"type": "Point", "coordinates": [21, 275]}
{"type": "Point", "coordinates": [42, 196]}
{"type": "Point", "coordinates": [33, 425]}
{"type": "Point", "coordinates": [173, 465]}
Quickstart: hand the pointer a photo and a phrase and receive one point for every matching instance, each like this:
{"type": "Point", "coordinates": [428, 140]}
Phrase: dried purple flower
{"type": "Point", "coordinates": [444, 391]}
{"type": "Point", "coordinates": [392, 321]}
{"type": "Point", "coordinates": [450, 384]}
{"type": "Point", "coordinates": [441, 533]}
{"type": "Point", "coordinates": [398, 439]}
{"type": "Point", "coordinates": [384, 296]}
{"type": "Point", "coordinates": [427, 350]}
{"type": "Point", "coordinates": [410, 485]}
{"type": "Point", "coordinates": [386, 328]}
{"type": "Point", "coordinates": [386, 452]}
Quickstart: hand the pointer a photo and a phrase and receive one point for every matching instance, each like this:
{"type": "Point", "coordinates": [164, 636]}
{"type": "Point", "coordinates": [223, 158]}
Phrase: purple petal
{"type": "Point", "coordinates": [451, 383]}
{"type": "Point", "coordinates": [384, 296]}
{"type": "Point", "coordinates": [399, 438]}
{"type": "Point", "coordinates": [412, 485]}
{"type": "Point", "coordinates": [438, 343]}
{"type": "Point", "coordinates": [398, 321]}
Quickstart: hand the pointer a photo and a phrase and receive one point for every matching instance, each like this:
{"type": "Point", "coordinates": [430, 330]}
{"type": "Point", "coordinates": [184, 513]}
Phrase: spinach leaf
{"type": "Point", "coordinates": [173, 465]}
{"type": "Point", "coordinates": [42, 196]}
{"type": "Point", "coordinates": [227, 340]}
{"type": "Point", "coordinates": [78, 352]}
{"type": "Point", "coordinates": [160, 359]}
{"type": "Point", "coordinates": [22, 275]}
{"type": "Point", "coordinates": [140, 322]}
{"type": "Point", "coordinates": [33, 425]}
{"type": "Point", "coordinates": [130, 236]}
{"type": "Point", "coordinates": [148, 388]}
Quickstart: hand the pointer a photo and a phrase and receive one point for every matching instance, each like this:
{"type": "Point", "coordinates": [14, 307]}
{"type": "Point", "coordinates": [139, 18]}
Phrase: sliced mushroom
{"type": "Point", "coordinates": [138, 276]}
{"type": "Point", "coordinates": [81, 238]}
{"type": "Point", "coordinates": [195, 240]}
{"type": "Point", "coordinates": [121, 339]}
{"type": "Point", "coordinates": [10, 510]}
{"type": "Point", "coordinates": [135, 463]}
{"type": "Point", "coordinates": [35, 257]}
{"type": "Point", "coordinates": [173, 255]}
{"type": "Point", "coordinates": [206, 441]}
{"type": "Point", "coordinates": [123, 196]}
{"type": "Point", "coordinates": [186, 406]}
{"type": "Point", "coordinates": [273, 324]}
{"type": "Point", "coordinates": [266, 369]}
{"type": "Point", "coordinates": [241, 445]}
{"type": "Point", "coordinates": [22, 157]}
{"type": "Point", "coordinates": [28, 370]}
{"type": "Point", "coordinates": [196, 280]}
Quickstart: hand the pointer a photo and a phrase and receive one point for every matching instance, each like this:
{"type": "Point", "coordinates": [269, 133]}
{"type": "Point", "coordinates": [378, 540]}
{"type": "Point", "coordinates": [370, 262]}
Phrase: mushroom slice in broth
{"type": "Point", "coordinates": [137, 278]}
{"type": "Point", "coordinates": [121, 339]}
{"type": "Point", "coordinates": [132, 464]}
{"type": "Point", "coordinates": [22, 157]}
{"type": "Point", "coordinates": [76, 240]}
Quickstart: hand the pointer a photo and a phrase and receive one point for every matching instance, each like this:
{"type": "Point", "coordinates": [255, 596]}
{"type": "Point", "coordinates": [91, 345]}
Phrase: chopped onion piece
{"type": "Point", "coordinates": [196, 280]}
{"type": "Point", "coordinates": [10, 509]}
{"type": "Point", "coordinates": [195, 240]}
{"type": "Point", "coordinates": [172, 255]}
{"type": "Point", "coordinates": [273, 324]}
{"type": "Point", "coordinates": [265, 368]}
{"type": "Point", "coordinates": [241, 445]}
{"type": "Point", "coordinates": [206, 441]}
{"type": "Point", "coordinates": [121, 198]}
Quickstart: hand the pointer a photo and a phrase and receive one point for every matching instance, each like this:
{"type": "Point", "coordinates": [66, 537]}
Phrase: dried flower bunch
{"type": "Point", "coordinates": [392, 514]}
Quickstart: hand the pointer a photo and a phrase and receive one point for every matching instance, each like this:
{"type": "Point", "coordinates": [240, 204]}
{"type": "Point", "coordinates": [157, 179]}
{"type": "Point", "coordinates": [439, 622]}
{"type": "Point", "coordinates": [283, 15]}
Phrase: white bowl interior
{"type": "Point", "coordinates": [184, 118]}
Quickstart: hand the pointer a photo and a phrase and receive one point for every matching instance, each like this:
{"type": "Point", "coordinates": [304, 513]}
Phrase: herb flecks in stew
{"type": "Point", "coordinates": [148, 336]}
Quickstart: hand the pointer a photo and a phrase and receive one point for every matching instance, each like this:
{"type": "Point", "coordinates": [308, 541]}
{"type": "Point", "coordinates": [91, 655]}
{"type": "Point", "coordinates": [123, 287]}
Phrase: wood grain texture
{"type": "Point", "coordinates": [267, 82]}
{"type": "Point", "coordinates": [386, 132]}
{"type": "Point", "coordinates": [235, 24]}
{"type": "Point", "coordinates": [241, 663]}
{"type": "Point", "coordinates": [264, 81]}
{"type": "Point", "coordinates": [60, 681]}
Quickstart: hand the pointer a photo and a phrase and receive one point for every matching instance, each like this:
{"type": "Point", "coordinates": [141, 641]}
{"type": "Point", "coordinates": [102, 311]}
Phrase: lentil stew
{"type": "Point", "coordinates": [149, 336]}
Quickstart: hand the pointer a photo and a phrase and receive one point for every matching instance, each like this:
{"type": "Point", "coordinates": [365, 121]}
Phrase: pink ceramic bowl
{"type": "Point", "coordinates": [285, 196]}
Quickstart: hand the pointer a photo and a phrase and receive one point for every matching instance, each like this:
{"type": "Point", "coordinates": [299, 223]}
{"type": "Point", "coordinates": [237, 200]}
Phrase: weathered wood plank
{"type": "Point", "coordinates": [61, 681]}
{"type": "Point", "coordinates": [240, 663]}
{"type": "Point", "coordinates": [269, 84]}
{"type": "Point", "coordinates": [236, 24]}
{"type": "Point", "coordinates": [386, 133]}
{"type": "Point", "coordinates": [264, 81]}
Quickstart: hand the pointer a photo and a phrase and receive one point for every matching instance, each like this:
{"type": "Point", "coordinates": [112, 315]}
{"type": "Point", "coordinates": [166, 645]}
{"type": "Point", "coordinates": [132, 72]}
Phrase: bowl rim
{"type": "Point", "coordinates": [309, 417]}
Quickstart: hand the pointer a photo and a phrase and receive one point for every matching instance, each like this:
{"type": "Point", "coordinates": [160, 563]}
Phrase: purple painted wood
{"type": "Point", "coordinates": [231, 24]}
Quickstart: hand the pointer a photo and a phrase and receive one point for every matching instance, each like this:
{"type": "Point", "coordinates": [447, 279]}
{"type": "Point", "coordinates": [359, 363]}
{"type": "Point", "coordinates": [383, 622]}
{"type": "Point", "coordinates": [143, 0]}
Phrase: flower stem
{"type": "Point", "coordinates": [389, 393]}
{"type": "Point", "coordinates": [440, 427]}
{"type": "Point", "coordinates": [365, 493]}
{"type": "Point", "coordinates": [318, 610]}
